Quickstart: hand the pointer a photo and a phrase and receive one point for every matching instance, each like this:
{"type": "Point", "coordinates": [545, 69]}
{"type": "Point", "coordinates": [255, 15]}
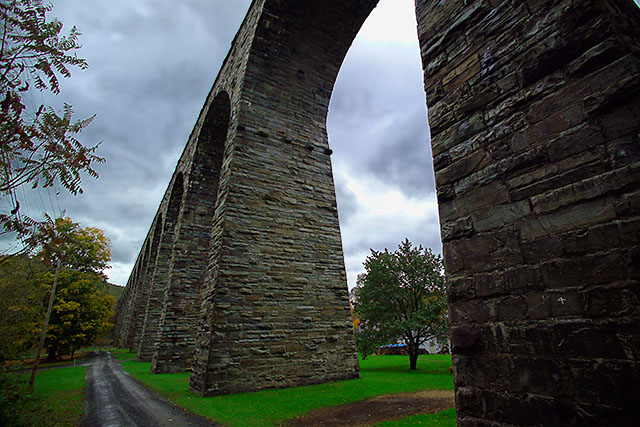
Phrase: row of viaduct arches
{"type": "Point", "coordinates": [163, 295]}
{"type": "Point", "coordinates": [534, 108]}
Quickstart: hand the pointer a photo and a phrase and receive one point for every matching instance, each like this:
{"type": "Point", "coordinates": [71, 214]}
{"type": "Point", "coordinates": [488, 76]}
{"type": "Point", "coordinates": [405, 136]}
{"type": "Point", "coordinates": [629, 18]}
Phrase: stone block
{"type": "Point", "coordinates": [568, 219]}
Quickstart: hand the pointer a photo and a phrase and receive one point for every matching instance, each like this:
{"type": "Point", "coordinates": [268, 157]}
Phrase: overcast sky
{"type": "Point", "coordinates": [153, 62]}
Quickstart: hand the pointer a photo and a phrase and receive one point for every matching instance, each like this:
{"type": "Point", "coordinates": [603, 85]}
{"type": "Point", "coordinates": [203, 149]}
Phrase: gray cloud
{"type": "Point", "coordinates": [404, 156]}
{"type": "Point", "coordinates": [347, 203]}
{"type": "Point", "coordinates": [378, 117]}
{"type": "Point", "coordinates": [152, 63]}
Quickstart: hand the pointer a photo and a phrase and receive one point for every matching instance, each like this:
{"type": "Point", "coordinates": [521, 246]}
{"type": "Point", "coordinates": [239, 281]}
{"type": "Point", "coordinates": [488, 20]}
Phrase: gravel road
{"type": "Point", "coordinates": [114, 398]}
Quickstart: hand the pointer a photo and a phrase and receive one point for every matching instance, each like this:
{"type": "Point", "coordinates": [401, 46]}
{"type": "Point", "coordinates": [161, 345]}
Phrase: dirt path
{"type": "Point", "coordinates": [381, 408]}
{"type": "Point", "coordinates": [114, 398]}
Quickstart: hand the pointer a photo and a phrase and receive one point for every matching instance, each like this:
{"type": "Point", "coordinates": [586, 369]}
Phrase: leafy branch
{"type": "Point", "coordinates": [38, 146]}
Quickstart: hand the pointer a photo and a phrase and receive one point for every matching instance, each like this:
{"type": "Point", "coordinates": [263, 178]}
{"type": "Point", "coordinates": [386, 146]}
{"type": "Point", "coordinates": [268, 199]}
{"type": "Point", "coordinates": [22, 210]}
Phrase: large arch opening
{"type": "Point", "coordinates": [181, 314]}
{"type": "Point", "coordinates": [378, 131]}
{"type": "Point", "coordinates": [160, 273]}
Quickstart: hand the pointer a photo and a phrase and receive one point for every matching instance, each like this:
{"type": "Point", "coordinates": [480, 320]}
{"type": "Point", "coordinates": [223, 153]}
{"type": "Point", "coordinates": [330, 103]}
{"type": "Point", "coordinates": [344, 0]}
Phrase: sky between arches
{"type": "Point", "coordinates": [152, 63]}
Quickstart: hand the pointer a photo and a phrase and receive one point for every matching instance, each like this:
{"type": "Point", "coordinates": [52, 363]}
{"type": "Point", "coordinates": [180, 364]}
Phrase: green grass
{"type": "Point", "coordinates": [378, 375]}
{"type": "Point", "coordinates": [443, 418]}
{"type": "Point", "coordinates": [123, 354]}
{"type": "Point", "coordinates": [57, 399]}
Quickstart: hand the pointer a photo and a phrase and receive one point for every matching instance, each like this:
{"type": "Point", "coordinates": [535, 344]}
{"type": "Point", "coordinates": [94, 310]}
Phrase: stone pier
{"type": "Point", "coordinates": [534, 109]}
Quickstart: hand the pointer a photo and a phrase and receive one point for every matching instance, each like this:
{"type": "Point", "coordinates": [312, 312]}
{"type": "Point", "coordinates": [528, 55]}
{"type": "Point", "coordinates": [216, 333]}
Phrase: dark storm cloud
{"type": "Point", "coordinates": [152, 64]}
{"type": "Point", "coordinates": [404, 156]}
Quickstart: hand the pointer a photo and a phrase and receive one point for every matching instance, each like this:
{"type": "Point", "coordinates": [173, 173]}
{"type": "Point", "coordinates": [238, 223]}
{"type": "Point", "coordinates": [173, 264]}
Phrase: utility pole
{"type": "Point", "coordinates": [46, 324]}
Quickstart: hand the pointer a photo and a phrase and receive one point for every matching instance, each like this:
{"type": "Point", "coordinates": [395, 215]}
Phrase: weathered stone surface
{"type": "Point", "coordinates": [254, 292]}
{"type": "Point", "coordinates": [175, 340]}
{"type": "Point", "coordinates": [540, 251]}
{"type": "Point", "coordinates": [535, 122]}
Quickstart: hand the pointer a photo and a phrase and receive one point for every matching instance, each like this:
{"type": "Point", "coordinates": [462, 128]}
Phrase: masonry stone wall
{"type": "Point", "coordinates": [534, 113]}
{"type": "Point", "coordinates": [181, 309]}
{"type": "Point", "coordinates": [276, 308]}
{"type": "Point", "coordinates": [144, 346]}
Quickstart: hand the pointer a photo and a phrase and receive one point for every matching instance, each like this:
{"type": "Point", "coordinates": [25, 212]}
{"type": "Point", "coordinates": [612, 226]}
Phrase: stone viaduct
{"type": "Point", "coordinates": [534, 108]}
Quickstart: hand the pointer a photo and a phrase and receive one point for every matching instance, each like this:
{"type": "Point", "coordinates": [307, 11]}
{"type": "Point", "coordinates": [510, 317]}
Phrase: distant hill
{"type": "Point", "coordinates": [111, 289]}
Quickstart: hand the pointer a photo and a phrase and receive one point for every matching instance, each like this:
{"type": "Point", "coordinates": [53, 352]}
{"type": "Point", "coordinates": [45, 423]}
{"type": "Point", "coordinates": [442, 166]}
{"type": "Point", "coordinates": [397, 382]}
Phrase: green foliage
{"type": "Point", "coordinates": [81, 249]}
{"type": "Point", "coordinates": [115, 291]}
{"type": "Point", "coordinates": [13, 396]}
{"type": "Point", "coordinates": [38, 145]}
{"type": "Point", "coordinates": [379, 375]}
{"type": "Point", "coordinates": [401, 296]}
{"type": "Point", "coordinates": [367, 342]}
{"type": "Point", "coordinates": [80, 313]}
{"type": "Point", "coordinates": [21, 305]}
{"type": "Point", "coordinates": [84, 250]}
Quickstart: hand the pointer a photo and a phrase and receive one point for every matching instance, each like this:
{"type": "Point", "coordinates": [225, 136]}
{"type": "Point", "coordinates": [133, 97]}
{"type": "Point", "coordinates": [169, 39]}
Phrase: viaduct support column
{"type": "Point", "coordinates": [166, 241]}
{"type": "Point", "coordinates": [180, 317]}
{"type": "Point", "coordinates": [276, 310]}
{"type": "Point", "coordinates": [534, 109]}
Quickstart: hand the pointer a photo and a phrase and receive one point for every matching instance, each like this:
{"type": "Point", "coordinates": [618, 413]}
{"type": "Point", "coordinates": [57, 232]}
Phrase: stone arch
{"type": "Point", "coordinates": [525, 104]}
{"type": "Point", "coordinates": [280, 256]}
{"type": "Point", "coordinates": [534, 113]}
{"type": "Point", "coordinates": [138, 294]}
{"type": "Point", "coordinates": [160, 273]}
{"type": "Point", "coordinates": [181, 314]}
{"type": "Point", "coordinates": [154, 244]}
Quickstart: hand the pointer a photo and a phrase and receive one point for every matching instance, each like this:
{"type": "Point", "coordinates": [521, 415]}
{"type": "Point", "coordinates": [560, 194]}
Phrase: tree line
{"type": "Point", "coordinates": [80, 312]}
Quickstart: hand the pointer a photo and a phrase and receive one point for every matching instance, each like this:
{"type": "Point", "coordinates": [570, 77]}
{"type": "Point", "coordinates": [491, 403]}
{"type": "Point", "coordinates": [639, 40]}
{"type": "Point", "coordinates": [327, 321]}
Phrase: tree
{"type": "Point", "coordinates": [80, 311]}
{"type": "Point", "coordinates": [75, 248]}
{"type": "Point", "coordinates": [401, 296]}
{"type": "Point", "coordinates": [21, 305]}
{"type": "Point", "coordinates": [64, 244]}
{"type": "Point", "coordinates": [38, 146]}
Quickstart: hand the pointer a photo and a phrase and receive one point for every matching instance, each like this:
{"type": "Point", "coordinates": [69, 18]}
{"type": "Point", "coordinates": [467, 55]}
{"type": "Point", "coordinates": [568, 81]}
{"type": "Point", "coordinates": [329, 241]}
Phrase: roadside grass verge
{"type": "Point", "coordinates": [378, 376]}
{"type": "Point", "coordinates": [57, 398]}
{"type": "Point", "coordinates": [65, 359]}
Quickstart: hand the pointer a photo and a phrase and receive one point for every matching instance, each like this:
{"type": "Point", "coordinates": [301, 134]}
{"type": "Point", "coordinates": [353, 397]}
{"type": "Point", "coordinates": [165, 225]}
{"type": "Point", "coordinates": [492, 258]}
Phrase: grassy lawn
{"type": "Point", "coordinates": [59, 396]}
{"type": "Point", "coordinates": [378, 375]}
{"type": "Point", "coordinates": [57, 399]}
{"type": "Point", "coordinates": [124, 355]}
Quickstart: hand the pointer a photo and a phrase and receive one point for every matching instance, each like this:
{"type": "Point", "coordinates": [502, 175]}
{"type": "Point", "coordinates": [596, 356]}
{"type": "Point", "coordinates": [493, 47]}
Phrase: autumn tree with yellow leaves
{"type": "Point", "coordinates": [66, 247]}
{"type": "Point", "coordinates": [80, 312]}
{"type": "Point", "coordinates": [73, 259]}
